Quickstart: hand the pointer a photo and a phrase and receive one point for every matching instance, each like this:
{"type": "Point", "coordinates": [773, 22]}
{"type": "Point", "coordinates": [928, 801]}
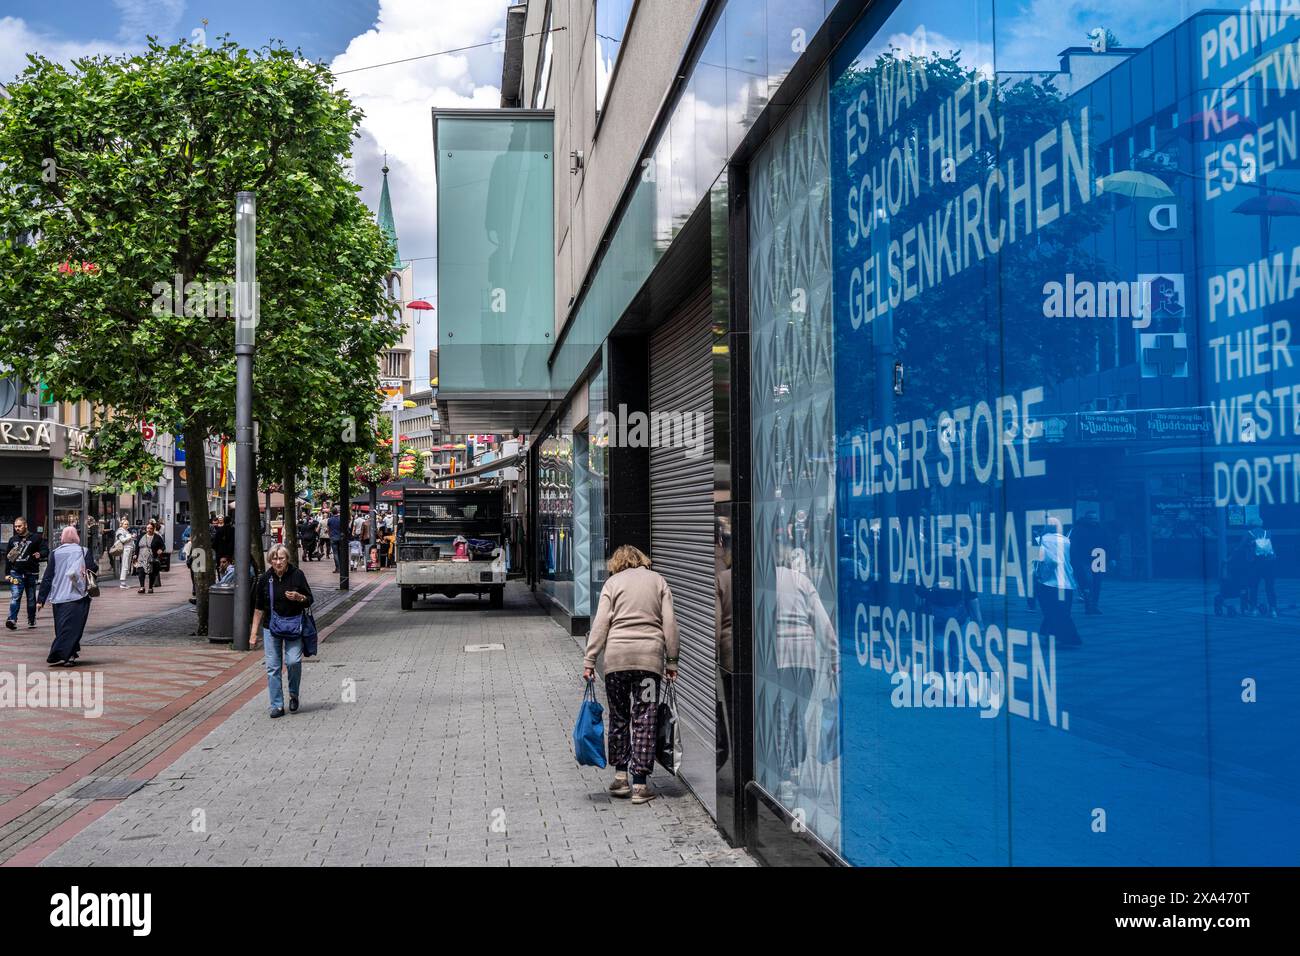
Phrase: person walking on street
{"type": "Point", "coordinates": [223, 539]}
{"type": "Point", "coordinates": [65, 587]}
{"type": "Point", "coordinates": [283, 588]}
{"type": "Point", "coordinates": [307, 537]}
{"type": "Point", "coordinates": [126, 559]}
{"type": "Point", "coordinates": [335, 525]}
{"type": "Point", "coordinates": [23, 554]}
{"type": "Point", "coordinates": [322, 534]}
{"type": "Point", "coordinates": [149, 548]}
{"type": "Point", "coordinates": [636, 630]}
{"type": "Point", "coordinates": [1054, 585]}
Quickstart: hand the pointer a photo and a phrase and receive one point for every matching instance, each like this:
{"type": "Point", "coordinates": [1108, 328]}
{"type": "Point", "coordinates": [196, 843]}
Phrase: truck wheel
{"type": "Point", "coordinates": [408, 599]}
{"type": "Point", "coordinates": [498, 598]}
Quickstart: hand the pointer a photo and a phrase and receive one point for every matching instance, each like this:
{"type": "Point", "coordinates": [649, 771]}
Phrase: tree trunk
{"type": "Point", "coordinates": [291, 511]}
{"type": "Point", "coordinates": [194, 440]}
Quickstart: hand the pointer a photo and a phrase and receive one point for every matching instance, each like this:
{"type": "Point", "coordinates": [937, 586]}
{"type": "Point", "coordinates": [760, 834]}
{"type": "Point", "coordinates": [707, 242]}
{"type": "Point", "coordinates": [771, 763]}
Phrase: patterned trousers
{"type": "Point", "coordinates": [633, 698]}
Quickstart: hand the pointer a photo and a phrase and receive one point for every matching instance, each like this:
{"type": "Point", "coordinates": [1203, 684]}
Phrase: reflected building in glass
{"type": "Point", "coordinates": [965, 364]}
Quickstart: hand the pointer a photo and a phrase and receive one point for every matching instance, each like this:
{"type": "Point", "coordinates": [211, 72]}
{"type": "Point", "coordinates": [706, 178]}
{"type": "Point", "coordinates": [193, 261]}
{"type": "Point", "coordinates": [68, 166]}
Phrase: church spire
{"type": "Point", "coordinates": [386, 222]}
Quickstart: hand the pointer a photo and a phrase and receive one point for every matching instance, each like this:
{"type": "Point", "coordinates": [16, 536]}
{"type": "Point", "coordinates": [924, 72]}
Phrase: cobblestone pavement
{"type": "Point", "coordinates": [150, 683]}
{"type": "Point", "coordinates": [446, 756]}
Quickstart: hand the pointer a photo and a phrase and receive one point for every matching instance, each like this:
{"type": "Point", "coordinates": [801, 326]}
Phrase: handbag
{"type": "Point", "coordinates": [92, 584]}
{"type": "Point", "coordinates": [310, 636]}
{"type": "Point", "coordinates": [589, 730]}
{"type": "Point", "coordinates": [285, 626]}
{"type": "Point", "coordinates": [116, 550]}
{"type": "Point", "coordinates": [668, 742]}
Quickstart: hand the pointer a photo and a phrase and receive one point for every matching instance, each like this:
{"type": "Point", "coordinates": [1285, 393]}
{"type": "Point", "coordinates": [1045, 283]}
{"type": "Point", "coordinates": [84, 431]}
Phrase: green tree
{"type": "Point", "coordinates": [131, 165]}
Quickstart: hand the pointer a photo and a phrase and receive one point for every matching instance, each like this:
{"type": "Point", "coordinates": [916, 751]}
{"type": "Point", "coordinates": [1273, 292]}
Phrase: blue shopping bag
{"type": "Point", "coordinates": [589, 731]}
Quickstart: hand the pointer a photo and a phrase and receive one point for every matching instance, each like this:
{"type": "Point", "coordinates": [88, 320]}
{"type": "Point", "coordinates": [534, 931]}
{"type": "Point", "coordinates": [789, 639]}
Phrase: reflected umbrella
{"type": "Point", "coordinates": [1267, 206]}
{"type": "Point", "coordinates": [1134, 185]}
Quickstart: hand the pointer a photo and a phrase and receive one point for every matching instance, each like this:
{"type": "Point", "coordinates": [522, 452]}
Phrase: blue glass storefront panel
{"type": "Point", "coordinates": [1065, 404]}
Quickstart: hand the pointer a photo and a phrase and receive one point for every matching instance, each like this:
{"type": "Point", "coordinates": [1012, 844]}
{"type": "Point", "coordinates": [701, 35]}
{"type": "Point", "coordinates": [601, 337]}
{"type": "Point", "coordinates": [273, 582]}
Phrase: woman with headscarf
{"type": "Point", "coordinates": [149, 549]}
{"type": "Point", "coordinates": [64, 587]}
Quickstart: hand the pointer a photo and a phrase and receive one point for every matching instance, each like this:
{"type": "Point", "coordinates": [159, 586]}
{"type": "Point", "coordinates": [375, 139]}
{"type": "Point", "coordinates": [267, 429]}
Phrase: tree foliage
{"type": "Point", "coordinates": [132, 164]}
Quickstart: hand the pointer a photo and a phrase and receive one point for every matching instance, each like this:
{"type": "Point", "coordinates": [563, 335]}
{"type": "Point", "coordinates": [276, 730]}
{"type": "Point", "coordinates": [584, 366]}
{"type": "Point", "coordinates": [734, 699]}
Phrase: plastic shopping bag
{"type": "Point", "coordinates": [668, 742]}
{"type": "Point", "coordinates": [589, 730]}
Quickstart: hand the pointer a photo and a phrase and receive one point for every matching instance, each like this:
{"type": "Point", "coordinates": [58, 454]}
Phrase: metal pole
{"type": "Point", "coordinates": [345, 521]}
{"type": "Point", "coordinates": [246, 310]}
{"type": "Point", "coordinates": [374, 491]}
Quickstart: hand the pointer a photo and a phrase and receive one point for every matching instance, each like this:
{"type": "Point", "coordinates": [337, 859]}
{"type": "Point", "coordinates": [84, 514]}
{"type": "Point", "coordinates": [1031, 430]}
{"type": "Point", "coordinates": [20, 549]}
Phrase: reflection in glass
{"type": "Point", "coordinates": [1066, 406]}
{"type": "Point", "coordinates": [555, 518]}
{"type": "Point", "coordinates": [796, 709]}
{"type": "Point", "coordinates": [611, 25]}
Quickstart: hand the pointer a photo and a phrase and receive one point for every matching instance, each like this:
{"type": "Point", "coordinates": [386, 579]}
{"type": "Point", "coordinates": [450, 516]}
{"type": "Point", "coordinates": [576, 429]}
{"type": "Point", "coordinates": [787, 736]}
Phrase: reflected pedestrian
{"type": "Point", "coordinates": [1054, 586]}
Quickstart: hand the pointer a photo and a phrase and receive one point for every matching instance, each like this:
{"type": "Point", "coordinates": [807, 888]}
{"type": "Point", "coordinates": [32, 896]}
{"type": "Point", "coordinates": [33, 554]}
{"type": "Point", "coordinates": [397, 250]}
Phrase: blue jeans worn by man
{"type": "Point", "coordinates": [16, 592]}
{"type": "Point", "coordinates": [279, 652]}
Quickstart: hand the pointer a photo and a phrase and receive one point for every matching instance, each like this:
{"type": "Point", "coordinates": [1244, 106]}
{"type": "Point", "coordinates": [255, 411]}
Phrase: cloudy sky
{"type": "Point", "coordinates": [347, 34]}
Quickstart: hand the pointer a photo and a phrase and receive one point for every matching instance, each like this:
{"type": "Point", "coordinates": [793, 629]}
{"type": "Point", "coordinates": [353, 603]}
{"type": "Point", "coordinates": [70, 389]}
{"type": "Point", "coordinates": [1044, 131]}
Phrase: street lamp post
{"type": "Point", "coordinates": [246, 309]}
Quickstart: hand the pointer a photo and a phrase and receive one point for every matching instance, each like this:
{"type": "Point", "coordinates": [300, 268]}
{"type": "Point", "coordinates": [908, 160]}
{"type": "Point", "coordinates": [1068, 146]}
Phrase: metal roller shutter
{"type": "Point", "coordinates": [681, 521]}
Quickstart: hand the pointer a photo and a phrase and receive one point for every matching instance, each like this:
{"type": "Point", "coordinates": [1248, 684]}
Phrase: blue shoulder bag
{"type": "Point", "coordinates": [285, 626]}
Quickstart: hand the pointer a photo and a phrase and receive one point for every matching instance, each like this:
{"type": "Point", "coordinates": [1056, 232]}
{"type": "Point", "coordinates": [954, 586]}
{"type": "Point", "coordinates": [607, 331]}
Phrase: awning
{"type": "Point", "coordinates": [391, 491]}
{"type": "Point", "coordinates": [509, 461]}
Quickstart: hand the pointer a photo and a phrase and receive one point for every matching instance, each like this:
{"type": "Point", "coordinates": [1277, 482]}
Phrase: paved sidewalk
{"type": "Point", "coordinates": [444, 757]}
{"type": "Point", "coordinates": [152, 680]}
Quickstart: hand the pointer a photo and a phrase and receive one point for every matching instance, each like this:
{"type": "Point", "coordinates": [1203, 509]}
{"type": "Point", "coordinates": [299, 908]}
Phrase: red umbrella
{"type": "Point", "coordinates": [419, 305]}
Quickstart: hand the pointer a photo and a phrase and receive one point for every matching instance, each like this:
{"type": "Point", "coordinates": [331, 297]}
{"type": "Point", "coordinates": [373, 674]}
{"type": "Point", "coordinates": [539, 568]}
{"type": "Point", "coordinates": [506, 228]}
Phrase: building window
{"type": "Point", "coordinates": [395, 364]}
{"type": "Point", "coordinates": [544, 70]}
{"type": "Point", "coordinates": [612, 17]}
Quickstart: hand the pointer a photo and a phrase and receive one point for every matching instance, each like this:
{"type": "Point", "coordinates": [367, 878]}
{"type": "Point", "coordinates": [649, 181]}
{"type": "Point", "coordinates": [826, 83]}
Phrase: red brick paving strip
{"type": "Point", "coordinates": [48, 821]}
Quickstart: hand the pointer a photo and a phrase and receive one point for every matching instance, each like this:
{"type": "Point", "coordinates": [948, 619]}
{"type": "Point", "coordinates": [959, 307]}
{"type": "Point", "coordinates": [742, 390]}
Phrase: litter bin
{"type": "Point", "coordinates": [221, 613]}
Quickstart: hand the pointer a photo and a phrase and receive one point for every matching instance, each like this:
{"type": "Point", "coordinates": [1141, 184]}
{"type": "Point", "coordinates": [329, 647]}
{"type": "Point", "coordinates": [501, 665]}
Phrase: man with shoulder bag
{"type": "Point", "coordinates": [23, 554]}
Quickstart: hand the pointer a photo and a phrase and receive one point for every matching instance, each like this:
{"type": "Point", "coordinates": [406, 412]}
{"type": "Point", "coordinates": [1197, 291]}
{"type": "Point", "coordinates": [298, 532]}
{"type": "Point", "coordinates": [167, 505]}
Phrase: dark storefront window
{"type": "Point", "coordinates": [11, 508]}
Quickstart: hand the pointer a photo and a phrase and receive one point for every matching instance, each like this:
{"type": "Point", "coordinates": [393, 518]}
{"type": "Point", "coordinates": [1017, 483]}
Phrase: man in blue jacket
{"type": "Point", "coordinates": [23, 554]}
{"type": "Point", "coordinates": [336, 534]}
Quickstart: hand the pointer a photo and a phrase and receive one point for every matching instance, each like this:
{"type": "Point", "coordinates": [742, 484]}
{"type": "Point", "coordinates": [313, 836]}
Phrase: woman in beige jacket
{"type": "Point", "coordinates": [636, 630]}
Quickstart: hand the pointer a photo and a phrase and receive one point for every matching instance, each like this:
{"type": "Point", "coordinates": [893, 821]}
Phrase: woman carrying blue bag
{"type": "Point", "coordinates": [636, 630]}
{"type": "Point", "coordinates": [282, 596]}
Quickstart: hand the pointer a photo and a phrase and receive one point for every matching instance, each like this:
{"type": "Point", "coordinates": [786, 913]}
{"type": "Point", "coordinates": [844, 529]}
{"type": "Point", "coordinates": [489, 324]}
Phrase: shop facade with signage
{"type": "Point", "coordinates": [989, 329]}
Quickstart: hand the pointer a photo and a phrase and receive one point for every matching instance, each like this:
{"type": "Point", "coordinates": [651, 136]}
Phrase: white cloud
{"type": "Point", "coordinates": [141, 18]}
{"type": "Point", "coordinates": [1031, 38]}
{"type": "Point", "coordinates": [397, 101]}
{"type": "Point", "coordinates": [17, 39]}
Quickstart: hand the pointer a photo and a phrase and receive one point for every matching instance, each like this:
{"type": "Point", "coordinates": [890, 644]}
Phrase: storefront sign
{"type": "Point", "coordinates": [1108, 426]}
{"type": "Point", "coordinates": [26, 435]}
